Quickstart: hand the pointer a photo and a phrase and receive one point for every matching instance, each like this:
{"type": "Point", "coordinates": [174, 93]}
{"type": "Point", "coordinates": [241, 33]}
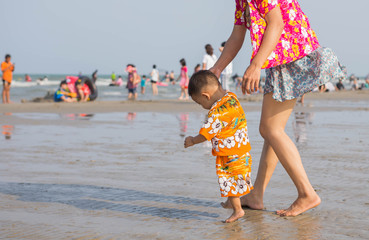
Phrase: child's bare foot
{"type": "Point", "coordinates": [235, 216]}
{"type": "Point", "coordinates": [300, 205]}
{"type": "Point", "coordinates": [248, 200]}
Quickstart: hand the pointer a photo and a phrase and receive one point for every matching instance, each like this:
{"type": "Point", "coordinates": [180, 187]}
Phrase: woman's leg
{"type": "Point", "coordinates": [272, 124]}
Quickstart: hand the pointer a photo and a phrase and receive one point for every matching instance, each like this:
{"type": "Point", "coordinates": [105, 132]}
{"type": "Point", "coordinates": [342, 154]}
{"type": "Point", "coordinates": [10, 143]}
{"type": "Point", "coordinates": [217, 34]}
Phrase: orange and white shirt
{"type": "Point", "coordinates": [7, 68]}
{"type": "Point", "coordinates": [226, 127]}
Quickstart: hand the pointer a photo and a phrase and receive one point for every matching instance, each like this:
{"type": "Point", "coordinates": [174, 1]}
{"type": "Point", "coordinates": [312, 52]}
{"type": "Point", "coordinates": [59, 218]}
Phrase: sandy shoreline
{"type": "Point", "coordinates": [123, 173]}
{"type": "Point", "coordinates": [252, 102]}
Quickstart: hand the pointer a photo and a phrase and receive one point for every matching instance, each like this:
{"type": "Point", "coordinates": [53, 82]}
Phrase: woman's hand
{"type": "Point", "coordinates": [251, 78]}
{"type": "Point", "coordinates": [216, 71]}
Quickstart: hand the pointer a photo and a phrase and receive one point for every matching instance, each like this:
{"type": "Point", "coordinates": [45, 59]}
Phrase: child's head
{"type": "Point", "coordinates": [79, 84]}
{"type": "Point", "coordinates": [222, 46]}
{"type": "Point", "coordinates": [209, 49]}
{"type": "Point", "coordinates": [183, 62]}
{"type": "Point", "coordinates": [7, 57]}
{"type": "Point", "coordinates": [130, 68]}
{"type": "Point", "coordinates": [154, 66]}
{"type": "Point", "coordinates": [63, 84]}
{"type": "Point", "coordinates": [202, 87]}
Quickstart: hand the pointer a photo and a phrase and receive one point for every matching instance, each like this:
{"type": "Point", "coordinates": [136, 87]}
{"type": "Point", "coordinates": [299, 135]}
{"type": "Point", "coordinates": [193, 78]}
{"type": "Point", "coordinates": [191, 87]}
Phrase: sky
{"type": "Point", "coordinates": [72, 36]}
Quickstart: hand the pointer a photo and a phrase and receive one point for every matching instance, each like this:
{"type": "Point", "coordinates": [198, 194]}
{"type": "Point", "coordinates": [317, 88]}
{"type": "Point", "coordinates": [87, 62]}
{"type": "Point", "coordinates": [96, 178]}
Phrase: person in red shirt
{"type": "Point", "coordinates": [7, 68]}
{"type": "Point", "coordinates": [83, 91]}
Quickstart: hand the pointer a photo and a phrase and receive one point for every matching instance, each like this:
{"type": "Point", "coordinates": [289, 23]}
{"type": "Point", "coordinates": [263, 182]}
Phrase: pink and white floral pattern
{"type": "Point", "coordinates": [297, 39]}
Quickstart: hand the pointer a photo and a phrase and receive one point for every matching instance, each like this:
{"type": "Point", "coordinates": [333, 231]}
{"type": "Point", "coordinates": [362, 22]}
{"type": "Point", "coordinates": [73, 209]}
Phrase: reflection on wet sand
{"type": "Point", "coordinates": [302, 120]}
{"type": "Point", "coordinates": [7, 130]}
{"type": "Point", "coordinates": [183, 122]}
{"type": "Point", "coordinates": [76, 116]}
{"type": "Point", "coordinates": [101, 184]}
{"type": "Point", "coordinates": [131, 116]}
{"type": "Point", "coordinates": [96, 198]}
{"type": "Point", "coordinates": [267, 225]}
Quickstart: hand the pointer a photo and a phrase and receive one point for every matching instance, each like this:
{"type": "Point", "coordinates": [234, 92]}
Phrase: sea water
{"type": "Point", "coordinates": [29, 90]}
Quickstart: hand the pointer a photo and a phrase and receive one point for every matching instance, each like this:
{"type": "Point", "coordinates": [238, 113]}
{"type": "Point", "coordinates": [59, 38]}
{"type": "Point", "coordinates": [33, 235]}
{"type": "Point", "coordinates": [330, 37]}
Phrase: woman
{"type": "Point", "coordinates": [287, 47]}
{"type": "Point", "coordinates": [184, 80]}
{"type": "Point", "coordinates": [154, 80]}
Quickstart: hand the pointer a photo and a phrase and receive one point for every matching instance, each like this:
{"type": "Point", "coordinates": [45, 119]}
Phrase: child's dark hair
{"type": "Point", "coordinates": [201, 79]}
{"type": "Point", "coordinates": [7, 56]}
{"type": "Point", "coordinates": [154, 66]}
{"type": "Point", "coordinates": [63, 82]}
{"type": "Point", "coordinates": [223, 44]}
{"type": "Point", "coordinates": [183, 62]}
{"type": "Point", "coordinates": [143, 76]}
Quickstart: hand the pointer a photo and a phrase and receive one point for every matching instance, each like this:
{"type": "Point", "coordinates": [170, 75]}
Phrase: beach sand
{"type": "Point", "coordinates": [118, 170]}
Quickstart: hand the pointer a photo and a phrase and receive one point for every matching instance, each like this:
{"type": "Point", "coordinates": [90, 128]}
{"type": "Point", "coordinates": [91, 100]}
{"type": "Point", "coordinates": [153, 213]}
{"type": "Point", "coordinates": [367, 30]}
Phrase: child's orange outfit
{"type": "Point", "coordinates": [226, 127]}
{"type": "Point", "coordinates": [7, 69]}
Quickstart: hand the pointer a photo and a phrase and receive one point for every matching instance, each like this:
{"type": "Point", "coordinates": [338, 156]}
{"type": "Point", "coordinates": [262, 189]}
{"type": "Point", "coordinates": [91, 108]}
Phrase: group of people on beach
{"type": "Point", "coordinates": [208, 62]}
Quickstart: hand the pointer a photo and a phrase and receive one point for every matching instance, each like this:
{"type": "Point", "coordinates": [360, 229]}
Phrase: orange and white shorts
{"type": "Point", "coordinates": [234, 175]}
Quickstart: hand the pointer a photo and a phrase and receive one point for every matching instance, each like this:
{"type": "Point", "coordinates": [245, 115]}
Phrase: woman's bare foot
{"type": "Point", "coordinates": [235, 216]}
{"type": "Point", "coordinates": [300, 205]}
{"type": "Point", "coordinates": [248, 200]}
{"type": "Point", "coordinates": [180, 98]}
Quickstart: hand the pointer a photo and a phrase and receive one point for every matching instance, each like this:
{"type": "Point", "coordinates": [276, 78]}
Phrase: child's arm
{"type": "Point", "coordinates": [190, 141]}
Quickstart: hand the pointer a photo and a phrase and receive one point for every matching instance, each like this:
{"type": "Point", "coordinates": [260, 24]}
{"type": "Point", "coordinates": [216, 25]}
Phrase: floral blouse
{"type": "Point", "coordinates": [297, 39]}
{"type": "Point", "coordinates": [226, 127]}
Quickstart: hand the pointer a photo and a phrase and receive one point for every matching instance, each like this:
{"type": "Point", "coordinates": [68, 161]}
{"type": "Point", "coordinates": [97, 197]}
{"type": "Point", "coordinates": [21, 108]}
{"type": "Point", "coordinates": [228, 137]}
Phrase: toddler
{"type": "Point", "coordinates": [226, 128]}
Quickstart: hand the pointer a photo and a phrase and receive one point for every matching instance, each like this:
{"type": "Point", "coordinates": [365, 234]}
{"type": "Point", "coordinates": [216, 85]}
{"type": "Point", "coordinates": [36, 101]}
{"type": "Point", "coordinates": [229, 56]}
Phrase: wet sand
{"type": "Point", "coordinates": [332, 101]}
{"type": "Point", "coordinates": [121, 172]}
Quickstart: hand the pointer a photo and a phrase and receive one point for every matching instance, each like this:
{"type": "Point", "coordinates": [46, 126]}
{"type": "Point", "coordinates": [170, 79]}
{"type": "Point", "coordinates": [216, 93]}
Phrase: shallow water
{"type": "Point", "coordinates": [127, 176]}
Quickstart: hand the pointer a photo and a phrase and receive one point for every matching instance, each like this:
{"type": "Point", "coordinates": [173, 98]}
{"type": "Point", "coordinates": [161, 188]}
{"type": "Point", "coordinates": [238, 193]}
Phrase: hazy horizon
{"type": "Point", "coordinates": [58, 37]}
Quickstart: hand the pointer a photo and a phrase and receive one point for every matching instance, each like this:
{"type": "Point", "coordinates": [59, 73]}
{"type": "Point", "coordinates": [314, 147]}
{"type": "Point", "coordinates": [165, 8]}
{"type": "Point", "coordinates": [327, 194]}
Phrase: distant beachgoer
{"type": "Point", "coordinates": [154, 80]}
{"type": "Point", "coordinates": [171, 77]}
{"type": "Point", "coordinates": [226, 75]}
{"type": "Point", "coordinates": [132, 82]}
{"type": "Point", "coordinates": [94, 76]}
{"type": "Point", "coordinates": [183, 80]}
{"type": "Point", "coordinates": [285, 45]}
{"type": "Point", "coordinates": [166, 77]}
{"type": "Point", "coordinates": [63, 93]}
{"type": "Point", "coordinates": [143, 84]}
{"type": "Point", "coordinates": [113, 77]}
{"type": "Point", "coordinates": [209, 58]}
{"type": "Point", "coordinates": [27, 78]}
{"type": "Point", "coordinates": [367, 81]}
{"type": "Point", "coordinates": [340, 85]}
{"type": "Point", "coordinates": [226, 128]}
{"type": "Point", "coordinates": [119, 82]}
{"type": "Point", "coordinates": [7, 68]}
{"type": "Point", "coordinates": [197, 68]}
{"type": "Point", "coordinates": [238, 80]}
{"type": "Point", "coordinates": [83, 91]}
{"type": "Point", "coordinates": [355, 84]}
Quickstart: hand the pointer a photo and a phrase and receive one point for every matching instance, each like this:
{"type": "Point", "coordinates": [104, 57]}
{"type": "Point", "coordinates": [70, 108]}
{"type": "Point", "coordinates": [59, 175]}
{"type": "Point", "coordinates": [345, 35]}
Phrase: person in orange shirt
{"type": "Point", "coordinates": [7, 68]}
{"type": "Point", "coordinates": [226, 128]}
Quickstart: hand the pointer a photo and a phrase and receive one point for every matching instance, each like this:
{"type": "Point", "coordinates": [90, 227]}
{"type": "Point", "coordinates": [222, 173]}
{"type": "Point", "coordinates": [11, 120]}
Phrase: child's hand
{"type": "Point", "coordinates": [188, 142]}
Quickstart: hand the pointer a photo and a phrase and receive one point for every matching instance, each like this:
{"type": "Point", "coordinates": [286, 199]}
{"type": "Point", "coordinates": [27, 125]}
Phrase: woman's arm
{"type": "Point", "coordinates": [232, 47]}
{"type": "Point", "coordinates": [271, 37]}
